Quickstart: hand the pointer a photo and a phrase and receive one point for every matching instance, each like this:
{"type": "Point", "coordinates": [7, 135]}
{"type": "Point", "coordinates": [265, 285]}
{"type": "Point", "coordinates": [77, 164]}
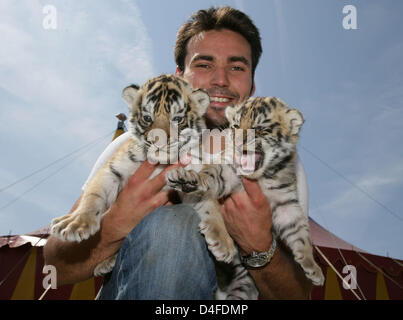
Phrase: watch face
{"type": "Point", "coordinates": [257, 261]}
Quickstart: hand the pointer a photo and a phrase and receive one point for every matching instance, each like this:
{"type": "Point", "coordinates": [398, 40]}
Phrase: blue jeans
{"type": "Point", "coordinates": [163, 257]}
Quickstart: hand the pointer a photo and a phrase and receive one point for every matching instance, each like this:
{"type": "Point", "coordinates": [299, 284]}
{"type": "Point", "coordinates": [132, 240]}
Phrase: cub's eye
{"type": "Point", "coordinates": [178, 119]}
{"type": "Point", "coordinates": [147, 119]}
{"type": "Point", "coordinates": [236, 126]}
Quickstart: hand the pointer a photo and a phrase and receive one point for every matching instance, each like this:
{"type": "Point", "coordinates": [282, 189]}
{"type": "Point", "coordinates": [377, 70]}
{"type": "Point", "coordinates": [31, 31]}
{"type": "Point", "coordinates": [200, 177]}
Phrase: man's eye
{"type": "Point", "coordinates": [147, 119]}
{"type": "Point", "coordinates": [203, 66]}
{"type": "Point", "coordinates": [237, 68]}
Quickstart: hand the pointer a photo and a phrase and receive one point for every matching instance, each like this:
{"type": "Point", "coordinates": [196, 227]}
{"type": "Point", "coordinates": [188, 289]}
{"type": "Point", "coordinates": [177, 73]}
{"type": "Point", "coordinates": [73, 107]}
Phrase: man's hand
{"type": "Point", "coordinates": [137, 199]}
{"type": "Point", "coordinates": [248, 219]}
{"type": "Point", "coordinates": [76, 261]}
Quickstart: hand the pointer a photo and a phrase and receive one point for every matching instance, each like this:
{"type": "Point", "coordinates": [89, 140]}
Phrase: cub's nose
{"type": "Point", "coordinates": [158, 138]}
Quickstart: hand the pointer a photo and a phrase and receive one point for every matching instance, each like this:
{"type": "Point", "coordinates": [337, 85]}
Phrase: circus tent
{"type": "Point", "coordinates": [21, 271]}
{"type": "Point", "coordinates": [377, 277]}
{"type": "Point", "coordinates": [351, 273]}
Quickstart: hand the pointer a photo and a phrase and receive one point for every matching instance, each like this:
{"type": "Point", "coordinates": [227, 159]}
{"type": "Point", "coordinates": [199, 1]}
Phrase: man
{"type": "Point", "coordinates": [161, 253]}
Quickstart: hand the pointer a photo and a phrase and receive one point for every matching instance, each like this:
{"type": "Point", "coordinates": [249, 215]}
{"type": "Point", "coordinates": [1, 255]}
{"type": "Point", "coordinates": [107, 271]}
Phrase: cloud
{"type": "Point", "coordinates": [61, 88]}
{"type": "Point", "coordinates": [78, 69]}
{"type": "Point", "coordinates": [367, 195]}
{"type": "Point", "coordinates": [50, 65]}
{"type": "Point", "coordinates": [391, 176]}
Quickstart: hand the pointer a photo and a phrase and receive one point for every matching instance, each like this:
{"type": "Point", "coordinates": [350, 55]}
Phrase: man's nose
{"type": "Point", "coordinates": [220, 78]}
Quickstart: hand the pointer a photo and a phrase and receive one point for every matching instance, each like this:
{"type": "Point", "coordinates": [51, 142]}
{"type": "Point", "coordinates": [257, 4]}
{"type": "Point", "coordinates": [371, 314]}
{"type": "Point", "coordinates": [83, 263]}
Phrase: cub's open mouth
{"type": "Point", "coordinates": [251, 161]}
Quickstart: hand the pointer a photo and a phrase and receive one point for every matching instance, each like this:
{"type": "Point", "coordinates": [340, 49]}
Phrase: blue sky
{"type": "Point", "coordinates": [60, 90]}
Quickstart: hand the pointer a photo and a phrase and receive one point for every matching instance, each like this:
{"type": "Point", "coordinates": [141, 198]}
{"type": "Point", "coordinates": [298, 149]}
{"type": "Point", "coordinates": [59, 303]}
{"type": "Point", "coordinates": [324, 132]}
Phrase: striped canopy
{"type": "Point", "coordinates": [378, 277]}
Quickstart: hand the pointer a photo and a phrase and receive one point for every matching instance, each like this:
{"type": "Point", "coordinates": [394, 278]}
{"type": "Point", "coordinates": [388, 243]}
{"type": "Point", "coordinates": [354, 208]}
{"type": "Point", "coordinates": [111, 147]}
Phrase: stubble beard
{"type": "Point", "coordinates": [215, 120]}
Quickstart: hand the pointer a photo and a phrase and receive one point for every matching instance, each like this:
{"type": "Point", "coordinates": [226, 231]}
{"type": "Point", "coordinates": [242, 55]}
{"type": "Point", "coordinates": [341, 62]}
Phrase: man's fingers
{"type": "Point", "coordinates": [252, 188]}
{"type": "Point", "coordinates": [240, 200]}
{"type": "Point", "coordinates": [146, 169]}
{"type": "Point", "coordinates": [229, 206]}
{"type": "Point", "coordinates": [160, 199]}
{"type": "Point", "coordinates": [158, 182]}
{"type": "Point", "coordinates": [142, 173]}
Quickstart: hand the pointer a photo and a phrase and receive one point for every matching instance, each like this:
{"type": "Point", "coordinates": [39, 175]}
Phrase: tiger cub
{"type": "Point", "coordinates": [164, 108]}
{"type": "Point", "coordinates": [273, 152]}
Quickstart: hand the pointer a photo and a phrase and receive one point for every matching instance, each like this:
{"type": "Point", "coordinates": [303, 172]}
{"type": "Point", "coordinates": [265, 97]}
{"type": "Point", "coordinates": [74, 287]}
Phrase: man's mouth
{"type": "Point", "coordinates": [220, 102]}
{"type": "Point", "coordinates": [220, 99]}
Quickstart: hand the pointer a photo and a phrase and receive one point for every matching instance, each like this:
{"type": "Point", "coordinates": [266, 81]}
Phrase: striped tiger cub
{"type": "Point", "coordinates": [273, 152]}
{"type": "Point", "coordinates": [164, 107]}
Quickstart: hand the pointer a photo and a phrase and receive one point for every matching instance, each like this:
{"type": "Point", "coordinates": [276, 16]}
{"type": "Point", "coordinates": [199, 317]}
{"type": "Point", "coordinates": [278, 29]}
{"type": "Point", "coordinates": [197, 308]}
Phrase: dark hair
{"type": "Point", "coordinates": [217, 19]}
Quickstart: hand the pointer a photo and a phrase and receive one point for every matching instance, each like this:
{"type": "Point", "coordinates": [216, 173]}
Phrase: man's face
{"type": "Point", "coordinates": [220, 62]}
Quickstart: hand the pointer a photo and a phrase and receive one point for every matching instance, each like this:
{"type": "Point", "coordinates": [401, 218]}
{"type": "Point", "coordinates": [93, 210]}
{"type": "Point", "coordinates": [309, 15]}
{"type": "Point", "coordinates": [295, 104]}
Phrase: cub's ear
{"type": "Point", "coordinates": [131, 94]}
{"type": "Point", "coordinates": [231, 111]}
{"type": "Point", "coordinates": [296, 121]}
{"type": "Point", "coordinates": [202, 98]}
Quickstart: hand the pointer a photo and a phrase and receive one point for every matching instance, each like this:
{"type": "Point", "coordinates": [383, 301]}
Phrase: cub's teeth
{"type": "Point", "coordinates": [216, 99]}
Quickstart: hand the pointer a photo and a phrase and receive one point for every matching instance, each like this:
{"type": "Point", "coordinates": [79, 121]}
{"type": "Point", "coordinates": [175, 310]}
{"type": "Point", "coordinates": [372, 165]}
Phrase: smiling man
{"type": "Point", "coordinates": [219, 61]}
{"type": "Point", "coordinates": [162, 254]}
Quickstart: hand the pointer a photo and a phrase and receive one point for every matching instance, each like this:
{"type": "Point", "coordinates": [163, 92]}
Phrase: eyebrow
{"type": "Point", "coordinates": [230, 59]}
{"type": "Point", "coordinates": [202, 57]}
{"type": "Point", "coordinates": [239, 59]}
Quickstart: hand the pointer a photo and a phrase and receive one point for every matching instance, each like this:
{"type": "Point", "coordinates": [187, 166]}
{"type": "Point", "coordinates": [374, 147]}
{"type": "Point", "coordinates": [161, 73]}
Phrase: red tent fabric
{"type": "Point", "coordinates": [377, 277]}
{"type": "Point", "coordinates": [21, 271]}
{"type": "Point", "coordinates": [21, 265]}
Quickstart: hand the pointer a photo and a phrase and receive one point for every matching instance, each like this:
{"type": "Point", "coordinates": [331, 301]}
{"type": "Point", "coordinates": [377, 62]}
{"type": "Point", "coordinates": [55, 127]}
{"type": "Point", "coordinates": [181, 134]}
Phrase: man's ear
{"type": "Point", "coordinates": [178, 72]}
{"type": "Point", "coordinates": [252, 90]}
{"type": "Point", "coordinates": [131, 94]}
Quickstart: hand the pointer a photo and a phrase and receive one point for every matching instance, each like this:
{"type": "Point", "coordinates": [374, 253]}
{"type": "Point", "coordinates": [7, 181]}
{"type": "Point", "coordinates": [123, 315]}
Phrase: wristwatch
{"type": "Point", "coordinates": [259, 259]}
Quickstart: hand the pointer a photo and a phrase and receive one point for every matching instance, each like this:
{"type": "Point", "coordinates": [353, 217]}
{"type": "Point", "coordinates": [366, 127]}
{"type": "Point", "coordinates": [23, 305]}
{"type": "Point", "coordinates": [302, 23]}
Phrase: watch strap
{"type": "Point", "coordinates": [259, 259]}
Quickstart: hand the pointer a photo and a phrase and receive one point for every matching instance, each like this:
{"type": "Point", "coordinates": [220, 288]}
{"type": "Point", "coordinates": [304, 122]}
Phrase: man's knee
{"type": "Point", "coordinates": [168, 222]}
{"type": "Point", "coordinates": [165, 255]}
{"type": "Point", "coordinates": [165, 228]}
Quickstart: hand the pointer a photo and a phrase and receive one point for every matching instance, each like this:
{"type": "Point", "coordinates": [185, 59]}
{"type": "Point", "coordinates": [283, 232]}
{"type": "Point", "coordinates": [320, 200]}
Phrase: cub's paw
{"type": "Point", "coordinates": [220, 244]}
{"type": "Point", "coordinates": [312, 271]}
{"type": "Point", "coordinates": [105, 266]}
{"type": "Point", "coordinates": [75, 226]}
{"type": "Point", "coordinates": [183, 180]}
{"type": "Point", "coordinates": [315, 274]}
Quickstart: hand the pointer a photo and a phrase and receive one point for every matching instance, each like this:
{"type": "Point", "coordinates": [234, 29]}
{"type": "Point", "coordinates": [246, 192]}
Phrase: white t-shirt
{"type": "Point", "coordinates": [302, 185]}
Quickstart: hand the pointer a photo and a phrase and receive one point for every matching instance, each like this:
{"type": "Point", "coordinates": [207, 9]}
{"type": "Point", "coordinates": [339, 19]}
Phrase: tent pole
{"type": "Point", "coordinates": [335, 270]}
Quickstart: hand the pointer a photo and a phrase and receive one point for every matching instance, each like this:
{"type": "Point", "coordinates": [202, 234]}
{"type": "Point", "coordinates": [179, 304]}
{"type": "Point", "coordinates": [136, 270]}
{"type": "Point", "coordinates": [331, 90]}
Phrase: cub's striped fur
{"type": "Point", "coordinates": [164, 107]}
{"type": "Point", "coordinates": [276, 129]}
